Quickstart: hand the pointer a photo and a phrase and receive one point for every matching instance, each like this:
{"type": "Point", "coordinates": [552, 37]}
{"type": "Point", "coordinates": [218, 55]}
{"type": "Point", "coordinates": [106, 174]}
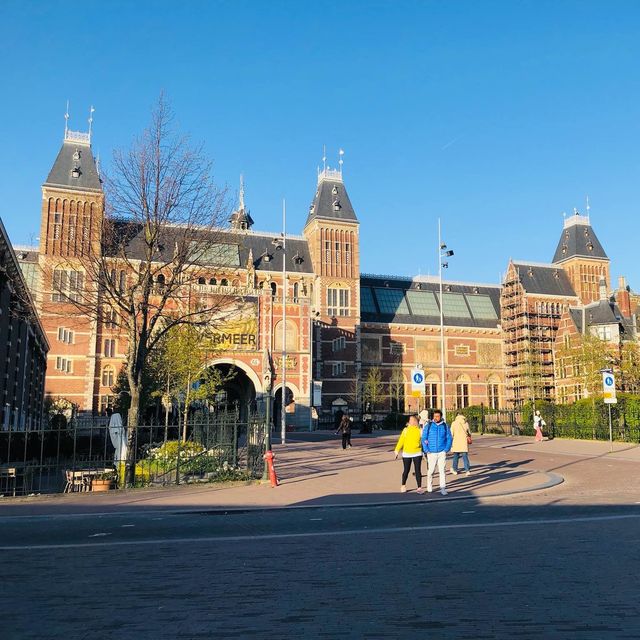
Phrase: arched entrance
{"type": "Point", "coordinates": [238, 391]}
{"type": "Point", "coordinates": [290, 399]}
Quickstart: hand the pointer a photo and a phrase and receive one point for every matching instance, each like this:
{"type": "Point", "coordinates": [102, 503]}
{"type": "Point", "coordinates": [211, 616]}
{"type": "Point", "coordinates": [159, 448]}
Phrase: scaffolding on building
{"type": "Point", "coordinates": [529, 328]}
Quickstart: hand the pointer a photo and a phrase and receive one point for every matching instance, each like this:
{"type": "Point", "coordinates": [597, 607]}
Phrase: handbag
{"type": "Point", "coordinates": [469, 440]}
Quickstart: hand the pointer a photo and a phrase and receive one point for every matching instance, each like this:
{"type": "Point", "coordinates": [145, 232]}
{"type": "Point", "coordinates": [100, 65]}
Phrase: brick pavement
{"type": "Point", "coordinates": [314, 470]}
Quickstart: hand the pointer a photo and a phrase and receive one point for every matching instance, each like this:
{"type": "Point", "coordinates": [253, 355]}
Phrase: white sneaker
{"type": "Point", "coordinates": [454, 472]}
{"type": "Point", "coordinates": [403, 489]}
{"type": "Point", "coordinates": [444, 492]}
{"type": "Point", "coordinates": [468, 473]}
{"type": "Point", "coordinates": [429, 489]}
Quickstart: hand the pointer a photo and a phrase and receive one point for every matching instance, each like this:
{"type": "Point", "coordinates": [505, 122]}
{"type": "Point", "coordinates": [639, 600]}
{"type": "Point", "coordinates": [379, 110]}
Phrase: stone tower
{"type": "Point", "coordinates": [581, 255]}
{"type": "Point", "coordinates": [331, 231]}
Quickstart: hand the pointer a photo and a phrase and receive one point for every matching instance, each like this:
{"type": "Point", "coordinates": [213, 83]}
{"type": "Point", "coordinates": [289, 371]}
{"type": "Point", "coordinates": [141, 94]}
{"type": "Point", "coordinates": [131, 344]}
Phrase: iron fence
{"type": "Point", "coordinates": [579, 421]}
{"type": "Point", "coordinates": [88, 455]}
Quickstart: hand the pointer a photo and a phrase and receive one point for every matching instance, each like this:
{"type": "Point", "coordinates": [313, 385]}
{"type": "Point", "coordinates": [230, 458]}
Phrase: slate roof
{"type": "Point", "coordinates": [578, 240]}
{"type": "Point", "coordinates": [546, 279]}
{"type": "Point", "coordinates": [601, 312]}
{"type": "Point", "coordinates": [74, 155]}
{"type": "Point", "coordinates": [331, 201]}
{"type": "Point", "coordinates": [406, 295]}
{"type": "Point", "coordinates": [229, 248]}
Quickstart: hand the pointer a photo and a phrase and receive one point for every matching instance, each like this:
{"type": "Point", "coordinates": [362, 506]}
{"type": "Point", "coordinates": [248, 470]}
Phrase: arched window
{"type": "Point", "coordinates": [123, 282]}
{"type": "Point", "coordinates": [213, 282]}
{"type": "Point", "coordinates": [108, 375]}
{"type": "Point", "coordinates": [295, 291]}
{"type": "Point", "coordinates": [224, 282]}
{"type": "Point", "coordinates": [292, 336]}
{"type": "Point", "coordinates": [462, 391]}
{"type": "Point", "coordinates": [235, 283]}
{"type": "Point", "coordinates": [160, 278]}
{"type": "Point", "coordinates": [274, 289]}
{"type": "Point", "coordinates": [202, 281]}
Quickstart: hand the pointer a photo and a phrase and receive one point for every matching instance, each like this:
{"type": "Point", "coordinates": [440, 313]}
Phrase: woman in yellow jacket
{"type": "Point", "coordinates": [411, 447]}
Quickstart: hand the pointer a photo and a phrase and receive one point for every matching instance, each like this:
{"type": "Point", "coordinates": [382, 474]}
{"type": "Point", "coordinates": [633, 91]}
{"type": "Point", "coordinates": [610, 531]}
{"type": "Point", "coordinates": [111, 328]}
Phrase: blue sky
{"type": "Point", "coordinates": [495, 116]}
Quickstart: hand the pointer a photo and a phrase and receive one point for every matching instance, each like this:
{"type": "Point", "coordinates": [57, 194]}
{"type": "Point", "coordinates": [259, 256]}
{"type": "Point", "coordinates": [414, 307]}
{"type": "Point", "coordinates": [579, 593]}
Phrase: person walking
{"type": "Point", "coordinates": [460, 446]}
{"type": "Point", "coordinates": [436, 443]}
{"type": "Point", "coordinates": [345, 428]}
{"type": "Point", "coordinates": [409, 443]}
{"type": "Point", "coordinates": [538, 423]}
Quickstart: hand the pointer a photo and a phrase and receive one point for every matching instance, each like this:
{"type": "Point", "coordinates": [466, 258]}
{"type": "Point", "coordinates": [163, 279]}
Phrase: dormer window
{"type": "Point", "coordinates": [334, 190]}
{"type": "Point", "coordinates": [530, 272]}
{"type": "Point", "coordinates": [336, 205]}
{"type": "Point", "coordinates": [298, 259]}
{"type": "Point", "coordinates": [590, 246]}
{"type": "Point", "coordinates": [76, 155]}
{"type": "Point", "coordinates": [75, 172]}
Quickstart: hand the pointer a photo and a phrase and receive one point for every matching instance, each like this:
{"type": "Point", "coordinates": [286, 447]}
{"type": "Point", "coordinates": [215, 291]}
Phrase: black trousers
{"type": "Point", "coordinates": [346, 439]}
{"type": "Point", "coordinates": [417, 466]}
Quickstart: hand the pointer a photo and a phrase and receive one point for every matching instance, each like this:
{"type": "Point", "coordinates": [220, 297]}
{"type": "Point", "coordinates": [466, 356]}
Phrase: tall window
{"type": "Point", "coordinates": [67, 285]}
{"type": "Point", "coordinates": [431, 392]}
{"type": "Point", "coordinates": [108, 376]}
{"type": "Point", "coordinates": [109, 348]}
{"type": "Point", "coordinates": [338, 302]}
{"type": "Point", "coordinates": [347, 253]}
{"type": "Point", "coordinates": [493, 392]}
{"type": "Point", "coordinates": [63, 364]}
{"type": "Point", "coordinates": [327, 252]}
{"type": "Point", "coordinates": [462, 392]}
{"type": "Point", "coordinates": [65, 335]}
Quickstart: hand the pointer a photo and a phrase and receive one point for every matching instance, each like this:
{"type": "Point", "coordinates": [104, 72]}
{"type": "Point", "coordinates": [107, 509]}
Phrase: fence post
{"type": "Point", "coordinates": [178, 460]}
{"type": "Point", "coordinates": [235, 442]}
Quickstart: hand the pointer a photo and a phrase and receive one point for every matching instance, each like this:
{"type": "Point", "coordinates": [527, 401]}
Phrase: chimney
{"type": "Point", "coordinates": [603, 289]}
{"type": "Point", "coordinates": [623, 298]}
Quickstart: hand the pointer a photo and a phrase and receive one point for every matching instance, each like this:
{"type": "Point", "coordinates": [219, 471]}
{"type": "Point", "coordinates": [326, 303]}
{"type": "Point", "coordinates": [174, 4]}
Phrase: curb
{"type": "Point", "coordinates": [553, 479]}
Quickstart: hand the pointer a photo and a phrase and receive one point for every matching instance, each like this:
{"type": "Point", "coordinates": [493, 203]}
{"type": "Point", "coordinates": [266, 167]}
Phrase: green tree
{"type": "Point", "coordinates": [372, 387]}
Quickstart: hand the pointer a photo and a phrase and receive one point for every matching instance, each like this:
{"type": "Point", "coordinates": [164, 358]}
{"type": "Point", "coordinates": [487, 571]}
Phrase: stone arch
{"type": "Point", "coordinates": [251, 374]}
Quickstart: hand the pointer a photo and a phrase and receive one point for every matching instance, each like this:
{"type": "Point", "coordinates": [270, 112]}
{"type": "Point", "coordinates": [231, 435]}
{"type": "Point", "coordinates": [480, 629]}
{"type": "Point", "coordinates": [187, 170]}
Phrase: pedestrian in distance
{"type": "Point", "coordinates": [461, 441]}
{"type": "Point", "coordinates": [436, 443]}
{"type": "Point", "coordinates": [345, 429]}
{"type": "Point", "coordinates": [410, 445]}
{"type": "Point", "coordinates": [538, 423]}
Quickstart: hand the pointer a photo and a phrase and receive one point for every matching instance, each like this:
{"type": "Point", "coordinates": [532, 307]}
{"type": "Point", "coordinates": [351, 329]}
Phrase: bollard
{"type": "Point", "coordinates": [269, 457]}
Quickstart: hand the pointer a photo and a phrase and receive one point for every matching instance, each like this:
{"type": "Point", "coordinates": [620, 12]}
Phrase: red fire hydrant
{"type": "Point", "coordinates": [269, 457]}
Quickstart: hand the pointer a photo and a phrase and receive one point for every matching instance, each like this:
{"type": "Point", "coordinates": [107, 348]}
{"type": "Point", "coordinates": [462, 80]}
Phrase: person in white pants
{"type": "Point", "coordinates": [436, 442]}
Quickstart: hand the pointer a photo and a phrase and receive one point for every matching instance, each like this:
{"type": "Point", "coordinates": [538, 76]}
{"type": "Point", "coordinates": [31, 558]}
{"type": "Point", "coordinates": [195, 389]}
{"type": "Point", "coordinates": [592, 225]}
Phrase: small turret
{"type": "Point", "coordinates": [241, 219]}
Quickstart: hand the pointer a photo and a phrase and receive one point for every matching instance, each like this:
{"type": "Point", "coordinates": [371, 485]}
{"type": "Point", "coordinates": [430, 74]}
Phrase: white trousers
{"type": "Point", "coordinates": [440, 459]}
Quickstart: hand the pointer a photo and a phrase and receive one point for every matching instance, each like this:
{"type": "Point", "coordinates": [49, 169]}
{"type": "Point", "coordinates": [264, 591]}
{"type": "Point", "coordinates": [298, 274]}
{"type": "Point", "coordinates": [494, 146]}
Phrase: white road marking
{"type": "Point", "coordinates": [315, 534]}
{"type": "Point", "coordinates": [315, 519]}
{"type": "Point", "coordinates": [468, 512]}
{"type": "Point", "coordinates": [99, 535]}
{"type": "Point", "coordinates": [127, 525]}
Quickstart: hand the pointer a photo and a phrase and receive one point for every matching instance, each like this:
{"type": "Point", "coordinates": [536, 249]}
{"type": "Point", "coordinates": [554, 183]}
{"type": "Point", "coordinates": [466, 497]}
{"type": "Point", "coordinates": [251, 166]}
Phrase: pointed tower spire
{"type": "Point", "coordinates": [241, 219]}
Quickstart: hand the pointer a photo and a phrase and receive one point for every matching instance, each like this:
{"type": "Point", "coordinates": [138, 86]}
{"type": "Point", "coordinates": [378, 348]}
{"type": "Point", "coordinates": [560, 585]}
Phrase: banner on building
{"type": "Point", "coordinates": [239, 331]}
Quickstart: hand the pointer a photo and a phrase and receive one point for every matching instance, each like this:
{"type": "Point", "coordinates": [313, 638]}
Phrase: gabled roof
{"type": "Point", "coordinates": [578, 240]}
{"type": "Point", "coordinates": [331, 201]}
{"type": "Point", "coordinates": [600, 312]}
{"type": "Point", "coordinates": [388, 300]}
{"type": "Point", "coordinates": [228, 248]}
{"type": "Point", "coordinates": [545, 279]}
{"type": "Point", "coordinates": [74, 156]}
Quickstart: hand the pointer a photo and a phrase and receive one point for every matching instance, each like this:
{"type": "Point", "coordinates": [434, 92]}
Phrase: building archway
{"type": "Point", "coordinates": [291, 398]}
{"type": "Point", "coordinates": [242, 390]}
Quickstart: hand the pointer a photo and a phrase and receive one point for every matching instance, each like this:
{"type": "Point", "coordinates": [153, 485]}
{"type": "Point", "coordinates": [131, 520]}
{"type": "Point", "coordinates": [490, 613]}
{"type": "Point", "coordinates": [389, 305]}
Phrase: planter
{"type": "Point", "coordinates": [101, 485]}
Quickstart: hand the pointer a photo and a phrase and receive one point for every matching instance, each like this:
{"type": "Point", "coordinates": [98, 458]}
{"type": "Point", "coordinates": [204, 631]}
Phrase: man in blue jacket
{"type": "Point", "coordinates": [436, 443]}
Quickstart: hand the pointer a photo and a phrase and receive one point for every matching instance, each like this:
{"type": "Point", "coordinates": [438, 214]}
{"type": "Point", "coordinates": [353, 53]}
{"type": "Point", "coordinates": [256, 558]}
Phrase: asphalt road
{"type": "Point", "coordinates": [445, 570]}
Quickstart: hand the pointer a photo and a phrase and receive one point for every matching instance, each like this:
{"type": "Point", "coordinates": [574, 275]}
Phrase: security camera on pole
{"type": "Point", "coordinates": [609, 394]}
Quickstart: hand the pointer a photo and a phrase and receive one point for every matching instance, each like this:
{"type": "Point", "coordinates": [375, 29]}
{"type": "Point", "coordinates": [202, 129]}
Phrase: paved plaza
{"type": "Point", "coordinates": [540, 541]}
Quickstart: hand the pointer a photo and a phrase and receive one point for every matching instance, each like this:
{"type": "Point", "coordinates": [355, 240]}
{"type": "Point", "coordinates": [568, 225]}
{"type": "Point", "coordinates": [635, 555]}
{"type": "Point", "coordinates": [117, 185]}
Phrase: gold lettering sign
{"type": "Point", "coordinates": [290, 363]}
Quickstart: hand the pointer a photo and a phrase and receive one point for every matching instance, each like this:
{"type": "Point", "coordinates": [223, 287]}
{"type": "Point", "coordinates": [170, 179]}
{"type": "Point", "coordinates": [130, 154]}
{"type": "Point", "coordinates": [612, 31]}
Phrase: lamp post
{"type": "Point", "coordinates": [443, 253]}
{"type": "Point", "coordinates": [281, 244]}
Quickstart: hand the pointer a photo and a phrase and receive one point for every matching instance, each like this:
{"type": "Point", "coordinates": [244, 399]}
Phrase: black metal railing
{"type": "Point", "coordinates": [88, 455]}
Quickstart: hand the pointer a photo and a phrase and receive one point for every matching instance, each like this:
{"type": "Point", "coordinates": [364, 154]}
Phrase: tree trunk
{"type": "Point", "coordinates": [186, 409]}
{"type": "Point", "coordinates": [132, 425]}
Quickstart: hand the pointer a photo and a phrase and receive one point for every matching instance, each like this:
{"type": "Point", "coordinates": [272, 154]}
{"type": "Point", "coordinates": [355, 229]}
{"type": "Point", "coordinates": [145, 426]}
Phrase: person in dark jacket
{"type": "Point", "coordinates": [345, 428]}
{"type": "Point", "coordinates": [436, 443]}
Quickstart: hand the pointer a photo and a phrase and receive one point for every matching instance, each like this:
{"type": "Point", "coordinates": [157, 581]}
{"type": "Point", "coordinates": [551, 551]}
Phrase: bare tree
{"type": "Point", "coordinates": [160, 236]}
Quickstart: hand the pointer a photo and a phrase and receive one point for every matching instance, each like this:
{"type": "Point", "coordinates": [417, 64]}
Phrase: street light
{"type": "Point", "coordinates": [443, 253]}
{"type": "Point", "coordinates": [281, 245]}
